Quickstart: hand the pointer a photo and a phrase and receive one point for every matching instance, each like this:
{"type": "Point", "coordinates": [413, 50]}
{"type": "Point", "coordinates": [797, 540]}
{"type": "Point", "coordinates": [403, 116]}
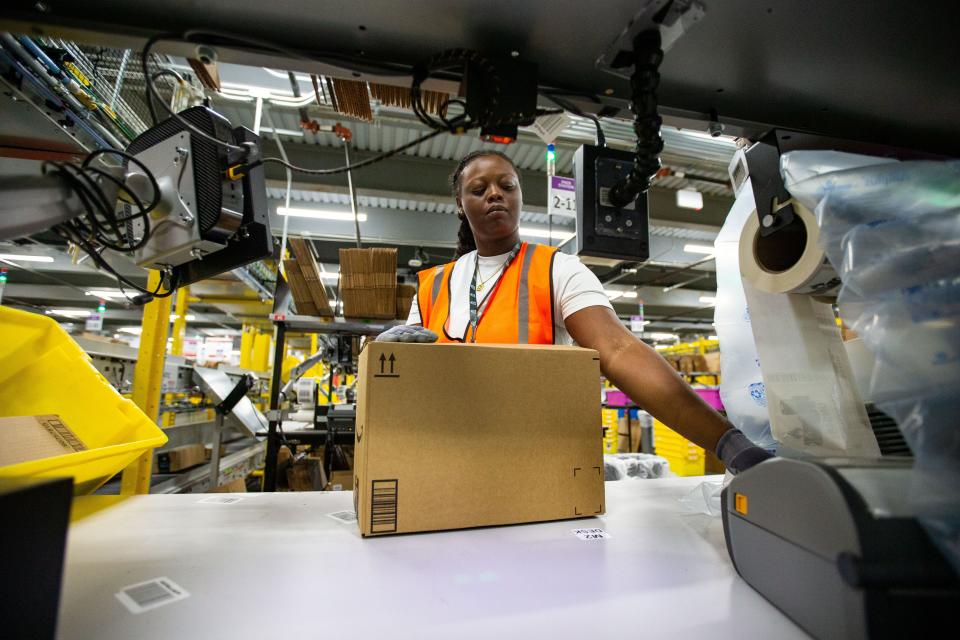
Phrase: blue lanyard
{"type": "Point", "coordinates": [474, 316]}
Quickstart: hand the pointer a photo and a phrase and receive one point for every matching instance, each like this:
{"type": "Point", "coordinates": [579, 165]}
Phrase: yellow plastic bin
{"type": "Point", "coordinates": [43, 371]}
{"type": "Point", "coordinates": [685, 458]}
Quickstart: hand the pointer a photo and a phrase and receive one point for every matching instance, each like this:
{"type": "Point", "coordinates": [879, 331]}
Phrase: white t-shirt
{"type": "Point", "coordinates": [575, 287]}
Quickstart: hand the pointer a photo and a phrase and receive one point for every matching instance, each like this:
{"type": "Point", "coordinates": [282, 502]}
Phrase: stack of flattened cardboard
{"type": "Point", "coordinates": [368, 283]}
{"type": "Point", "coordinates": [405, 293]}
{"type": "Point", "coordinates": [305, 283]}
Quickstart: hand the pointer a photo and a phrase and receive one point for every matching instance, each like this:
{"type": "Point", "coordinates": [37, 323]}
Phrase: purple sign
{"type": "Point", "coordinates": [563, 196]}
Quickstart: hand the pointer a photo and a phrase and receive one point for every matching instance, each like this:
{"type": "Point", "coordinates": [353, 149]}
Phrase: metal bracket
{"type": "Point", "coordinates": [673, 18]}
{"type": "Point", "coordinates": [771, 197]}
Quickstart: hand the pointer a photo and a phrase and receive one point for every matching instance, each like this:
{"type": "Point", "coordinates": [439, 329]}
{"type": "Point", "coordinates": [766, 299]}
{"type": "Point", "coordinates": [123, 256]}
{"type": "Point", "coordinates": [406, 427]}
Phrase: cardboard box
{"type": "Point", "coordinates": [237, 485]}
{"type": "Point", "coordinates": [444, 431]}
{"type": "Point", "coordinates": [340, 481]}
{"type": "Point", "coordinates": [208, 451]}
{"type": "Point", "coordinates": [712, 361]}
{"type": "Point", "coordinates": [628, 434]}
{"type": "Point", "coordinates": [306, 474]}
{"type": "Point", "coordinates": [180, 458]}
{"type": "Point", "coordinates": [27, 438]}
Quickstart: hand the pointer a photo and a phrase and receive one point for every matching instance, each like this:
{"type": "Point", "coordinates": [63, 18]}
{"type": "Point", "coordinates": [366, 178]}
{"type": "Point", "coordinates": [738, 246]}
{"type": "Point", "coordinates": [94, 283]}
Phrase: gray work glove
{"type": "Point", "coordinates": [407, 333]}
{"type": "Point", "coordinates": [738, 453]}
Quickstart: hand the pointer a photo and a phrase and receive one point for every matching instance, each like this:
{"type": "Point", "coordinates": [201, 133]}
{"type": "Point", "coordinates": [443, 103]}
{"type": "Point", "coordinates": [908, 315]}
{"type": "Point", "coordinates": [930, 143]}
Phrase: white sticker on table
{"type": "Point", "coordinates": [344, 516]}
{"type": "Point", "coordinates": [151, 594]}
{"type": "Point", "coordinates": [590, 534]}
{"type": "Point", "coordinates": [221, 499]}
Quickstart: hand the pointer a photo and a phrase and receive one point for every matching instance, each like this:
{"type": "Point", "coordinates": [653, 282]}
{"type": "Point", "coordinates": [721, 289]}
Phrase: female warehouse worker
{"type": "Point", "coordinates": [502, 290]}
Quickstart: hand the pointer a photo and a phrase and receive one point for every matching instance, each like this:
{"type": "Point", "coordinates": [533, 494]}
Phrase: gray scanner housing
{"type": "Point", "coordinates": [833, 544]}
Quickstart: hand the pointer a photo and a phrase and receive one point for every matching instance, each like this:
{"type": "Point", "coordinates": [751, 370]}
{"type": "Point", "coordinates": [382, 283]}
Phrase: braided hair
{"type": "Point", "coordinates": [465, 240]}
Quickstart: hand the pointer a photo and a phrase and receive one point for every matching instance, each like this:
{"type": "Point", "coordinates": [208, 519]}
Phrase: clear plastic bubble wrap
{"type": "Point", "coordinates": [634, 466]}
{"type": "Point", "coordinates": [892, 230]}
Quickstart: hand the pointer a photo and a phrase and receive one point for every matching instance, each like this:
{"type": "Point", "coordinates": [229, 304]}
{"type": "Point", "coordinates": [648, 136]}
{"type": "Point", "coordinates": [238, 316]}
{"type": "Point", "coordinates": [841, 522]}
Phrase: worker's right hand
{"type": "Point", "coordinates": [407, 333]}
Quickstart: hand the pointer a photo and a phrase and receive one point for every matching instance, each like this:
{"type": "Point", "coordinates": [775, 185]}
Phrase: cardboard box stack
{"type": "Point", "coordinates": [303, 275]}
{"type": "Point", "coordinates": [405, 293]}
{"type": "Point", "coordinates": [444, 431]}
{"type": "Point", "coordinates": [368, 283]}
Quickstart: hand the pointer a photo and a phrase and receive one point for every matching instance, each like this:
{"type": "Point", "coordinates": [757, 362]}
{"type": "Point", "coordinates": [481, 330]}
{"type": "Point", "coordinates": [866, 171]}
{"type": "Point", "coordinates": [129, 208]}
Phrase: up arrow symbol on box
{"type": "Point", "coordinates": [392, 360]}
{"type": "Point", "coordinates": [383, 362]}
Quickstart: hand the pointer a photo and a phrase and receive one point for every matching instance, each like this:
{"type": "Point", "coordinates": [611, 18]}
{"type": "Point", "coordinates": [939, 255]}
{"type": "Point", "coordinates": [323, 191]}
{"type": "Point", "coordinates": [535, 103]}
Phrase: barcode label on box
{"type": "Point", "coordinates": [151, 594]}
{"type": "Point", "coordinates": [62, 433]}
{"type": "Point", "coordinates": [344, 516]}
{"type": "Point", "coordinates": [221, 499]}
{"type": "Point", "coordinates": [383, 506]}
{"type": "Point", "coordinates": [590, 534]}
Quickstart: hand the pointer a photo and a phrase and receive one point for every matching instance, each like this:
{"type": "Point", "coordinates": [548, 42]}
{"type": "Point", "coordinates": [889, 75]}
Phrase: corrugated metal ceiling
{"type": "Point", "coordinates": [683, 150]}
{"type": "Point", "coordinates": [301, 196]}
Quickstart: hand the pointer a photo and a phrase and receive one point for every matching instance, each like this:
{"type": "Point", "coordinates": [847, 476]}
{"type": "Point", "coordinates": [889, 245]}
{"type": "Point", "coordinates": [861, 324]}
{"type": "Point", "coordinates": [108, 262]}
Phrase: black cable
{"type": "Point", "coordinates": [129, 158]}
{"type": "Point", "coordinates": [644, 82]}
{"type": "Point", "coordinates": [357, 165]}
{"type": "Point", "coordinates": [152, 91]}
{"type": "Point", "coordinates": [572, 108]}
{"type": "Point", "coordinates": [446, 60]}
{"type": "Point", "coordinates": [153, 78]}
{"type": "Point", "coordinates": [98, 227]}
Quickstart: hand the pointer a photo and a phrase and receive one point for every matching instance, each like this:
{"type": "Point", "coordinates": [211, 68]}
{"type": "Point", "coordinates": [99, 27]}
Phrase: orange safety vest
{"type": "Point", "coordinates": [520, 309]}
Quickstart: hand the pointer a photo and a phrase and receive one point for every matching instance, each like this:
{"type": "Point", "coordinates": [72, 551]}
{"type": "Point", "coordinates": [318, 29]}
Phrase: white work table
{"type": "Point", "coordinates": [277, 566]}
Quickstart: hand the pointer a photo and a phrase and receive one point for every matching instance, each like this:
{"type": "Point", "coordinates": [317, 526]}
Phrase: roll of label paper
{"type": "Point", "coordinates": [811, 274]}
{"type": "Point", "coordinates": [810, 391]}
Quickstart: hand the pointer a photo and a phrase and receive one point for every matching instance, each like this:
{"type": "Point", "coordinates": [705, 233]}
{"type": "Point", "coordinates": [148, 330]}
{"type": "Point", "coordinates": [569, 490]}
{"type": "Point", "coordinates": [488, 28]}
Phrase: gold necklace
{"type": "Point", "coordinates": [481, 284]}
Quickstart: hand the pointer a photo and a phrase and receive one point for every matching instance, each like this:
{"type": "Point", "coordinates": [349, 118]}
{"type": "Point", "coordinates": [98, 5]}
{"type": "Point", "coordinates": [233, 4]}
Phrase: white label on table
{"type": "Point", "coordinates": [344, 516]}
{"type": "Point", "coordinates": [221, 499]}
{"type": "Point", "coordinates": [590, 534]}
{"type": "Point", "coordinates": [151, 594]}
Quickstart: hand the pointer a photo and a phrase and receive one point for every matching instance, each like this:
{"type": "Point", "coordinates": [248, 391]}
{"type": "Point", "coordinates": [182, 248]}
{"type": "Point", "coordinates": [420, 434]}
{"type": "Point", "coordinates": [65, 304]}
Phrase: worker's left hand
{"type": "Point", "coordinates": [407, 333]}
{"type": "Point", "coordinates": [738, 453]}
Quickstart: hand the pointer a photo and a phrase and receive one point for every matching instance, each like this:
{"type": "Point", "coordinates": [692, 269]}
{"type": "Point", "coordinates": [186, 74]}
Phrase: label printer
{"type": "Point", "coordinates": [834, 545]}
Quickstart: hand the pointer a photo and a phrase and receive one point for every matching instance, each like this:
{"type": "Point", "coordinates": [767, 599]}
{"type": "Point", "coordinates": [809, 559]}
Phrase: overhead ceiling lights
{"type": "Point", "coordinates": [418, 259]}
{"type": "Point", "coordinates": [663, 336]}
{"type": "Point", "coordinates": [708, 300]}
{"type": "Point", "coordinates": [320, 214]}
{"type": "Point", "coordinates": [25, 257]}
{"type": "Point", "coordinates": [699, 248]}
{"type": "Point", "coordinates": [531, 232]}
{"type": "Point", "coordinates": [107, 294]}
{"type": "Point", "coordinates": [69, 313]}
{"type": "Point", "coordinates": [189, 317]}
{"type": "Point", "coordinates": [221, 332]}
{"type": "Point", "coordinates": [613, 294]}
{"type": "Point", "coordinates": [690, 199]}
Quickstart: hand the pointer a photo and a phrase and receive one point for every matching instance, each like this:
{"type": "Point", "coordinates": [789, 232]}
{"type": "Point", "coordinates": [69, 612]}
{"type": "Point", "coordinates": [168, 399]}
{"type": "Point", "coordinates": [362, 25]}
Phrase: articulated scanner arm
{"type": "Point", "coordinates": [647, 56]}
